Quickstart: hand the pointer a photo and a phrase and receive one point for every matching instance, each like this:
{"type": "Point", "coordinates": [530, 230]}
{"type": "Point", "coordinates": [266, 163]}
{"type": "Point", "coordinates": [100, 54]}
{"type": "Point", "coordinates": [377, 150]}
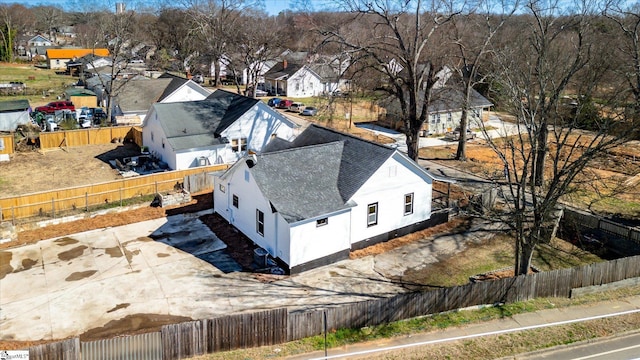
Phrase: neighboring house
{"type": "Point", "coordinates": [14, 113]}
{"type": "Point", "coordinates": [135, 98]}
{"type": "Point", "coordinates": [39, 40]}
{"type": "Point", "coordinates": [87, 63]}
{"type": "Point", "coordinates": [58, 58]}
{"type": "Point", "coordinates": [445, 111]}
{"type": "Point", "coordinates": [218, 130]}
{"type": "Point", "coordinates": [293, 80]}
{"type": "Point", "coordinates": [310, 202]}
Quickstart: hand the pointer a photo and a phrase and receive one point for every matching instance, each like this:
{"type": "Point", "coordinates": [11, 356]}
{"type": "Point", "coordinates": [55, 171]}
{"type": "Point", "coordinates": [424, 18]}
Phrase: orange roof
{"type": "Point", "coordinates": [74, 53]}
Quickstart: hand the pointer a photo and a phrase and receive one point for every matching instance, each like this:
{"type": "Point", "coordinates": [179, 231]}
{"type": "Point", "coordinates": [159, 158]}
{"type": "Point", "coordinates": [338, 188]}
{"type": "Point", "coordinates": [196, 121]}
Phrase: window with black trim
{"type": "Point", "coordinates": [221, 187]}
{"type": "Point", "coordinates": [322, 222]}
{"type": "Point", "coordinates": [408, 204]}
{"type": "Point", "coordinates": [259, 222]}
{"type": "Point", "coordinates": [235, 201]}
{"type": "Point", "coordinates": [372, 214]}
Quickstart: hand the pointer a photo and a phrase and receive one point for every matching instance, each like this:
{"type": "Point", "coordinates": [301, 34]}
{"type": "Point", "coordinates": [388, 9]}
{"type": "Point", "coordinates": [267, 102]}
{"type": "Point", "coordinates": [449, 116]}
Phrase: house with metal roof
{"type": "Point", "coordinates": [14, 113]}
{"type": "Point", "coordinates": [310, 201]}
{"type": "Point", "coordinates": [58, 58]}
{"type": "Point", "coordinates": [217, 130]}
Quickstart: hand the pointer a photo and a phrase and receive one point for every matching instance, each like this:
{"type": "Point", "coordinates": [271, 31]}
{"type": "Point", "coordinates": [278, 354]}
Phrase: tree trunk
{"type": "Point", "coordinates": [541, 155]}
{"type": "Point", "coordinates": [216, 73]}
{"type": "Point", "coordinates": [413, 142]}
{"type": "Point", "coordinates": [524, 258]}
{"type": "Point", "coordinates": [461, 153]}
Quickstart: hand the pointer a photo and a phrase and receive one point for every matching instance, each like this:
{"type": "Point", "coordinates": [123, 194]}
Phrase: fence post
{"type": "Point", "coordinates": [53, 208]}
{"type": "Point", "coordinates": [1, 214]}
{"type": "Point", "coordinates": [86, 201]}
{"type": "Point", "coordinates": [120, 197]}
{"type": "Point", "coordinates": [156, 187]}
{"type": "Point", "coordinates": [13, 215]}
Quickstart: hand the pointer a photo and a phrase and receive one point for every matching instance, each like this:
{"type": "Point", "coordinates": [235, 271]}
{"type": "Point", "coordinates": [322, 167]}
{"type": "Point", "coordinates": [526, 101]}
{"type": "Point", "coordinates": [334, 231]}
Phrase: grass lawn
{"type": "Point", "coordinates": [38, 82]}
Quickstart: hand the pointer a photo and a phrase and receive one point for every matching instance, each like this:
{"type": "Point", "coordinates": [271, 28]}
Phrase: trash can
{"type": "Point", "coordinates": [260, 256]}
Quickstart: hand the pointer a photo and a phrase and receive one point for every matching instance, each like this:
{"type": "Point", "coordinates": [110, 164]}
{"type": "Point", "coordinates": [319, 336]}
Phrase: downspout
{"type": "Point", "coordinates": [275, 220]}
{"type": "Point", "coordinates": [229, 207]}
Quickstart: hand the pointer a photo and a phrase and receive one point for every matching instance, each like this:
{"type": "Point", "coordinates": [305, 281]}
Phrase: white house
{"type": "Point", "coordinates": [218, 130]}
{"type": "Point", "coordinates": [39, 40]}
{"type": "Point", "coordinates": [310, 202]}
{"type": "Point", "coordinates": [294, 80]}
{"type": "Point", "coordinates": [136, 96]}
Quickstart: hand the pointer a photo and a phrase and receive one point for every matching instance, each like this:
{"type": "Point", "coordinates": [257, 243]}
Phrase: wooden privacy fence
{"type": "Point", "coordinates": [270, 327]}
{"type": "Point", "coordinates": [92, 136]}
{"type": "Point", "coordinates": [52, 204]}
{"type": "Point", "coordinates": [6, 144]}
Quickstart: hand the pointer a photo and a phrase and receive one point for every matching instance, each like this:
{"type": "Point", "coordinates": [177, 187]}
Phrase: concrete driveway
{"type": "Point", "coordinates": [88, 282]}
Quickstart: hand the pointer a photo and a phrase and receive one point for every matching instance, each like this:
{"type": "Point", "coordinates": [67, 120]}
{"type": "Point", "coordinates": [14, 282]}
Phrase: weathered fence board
{"type": "Point", "coordinates": [61, 350]}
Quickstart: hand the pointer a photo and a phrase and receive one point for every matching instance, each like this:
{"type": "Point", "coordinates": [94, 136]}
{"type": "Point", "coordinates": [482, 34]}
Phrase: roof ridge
{"type": "Point", "coordinates": [307, 147]}
{"type": "Point", "coordinates": [353, 137]}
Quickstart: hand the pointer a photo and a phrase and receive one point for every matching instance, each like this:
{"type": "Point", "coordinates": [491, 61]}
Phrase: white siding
{"type": "Point", "coordinates": [310, 242]}
{"type": "Point", "coordinates": [387, 187]}
{"type": "Point", "coordinates": [250, 199]}
{"type": "Point", "coordinates": [187, 92]}
{"type": "Point", "coordinates": [258, 125]}
{"type": "Point", "coordinates": [153, 137]}
{"type": "Point", "coordinates": [190, 158]}
{"type": "Point", "coordinates": [304, 83]}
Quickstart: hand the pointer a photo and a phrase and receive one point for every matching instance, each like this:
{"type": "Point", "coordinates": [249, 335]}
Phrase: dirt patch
{"type": "Point", "coordinates": [132, 324]}
{"type": "Point", "coordinates": [80, 275]}
{"type": "Point", "coordinates": [28, 264]}
{"type": "Point", "coordinates": [72, 254]}
{"type": "Point", "coordinates": [407, 239]}
{"type": "Point", "coordinates": [5, 266]}
{"type": "Point", "coordinates": [113, 251]}
{"type": "Point", "coordinates": [199, 202]}
{"type": "Point", "coordinates": [56, 169]}
{"type": "Point", "coordinates": [498, 274]}
{"type": "Point", "coordinates": [118, 307]}
{"type": "Point", "coordinates": [239, 247]}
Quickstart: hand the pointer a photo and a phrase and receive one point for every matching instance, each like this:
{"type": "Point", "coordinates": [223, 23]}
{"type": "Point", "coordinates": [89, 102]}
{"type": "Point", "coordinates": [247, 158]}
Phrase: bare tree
{"type": "Point", "coordinates": [627, 18]}
{"type": "Point", "coordinates": [474, 33]}
{"type": "Point", "coordinates": [214, 22]}
{"type": "Point", "coordinates": [554, 53]}
{"type": "Point", "coordinates": [252, 48]}
{"type": "Point", "coordinates": [400, 44]}
{"type": "Point", "coordinates": [117, 33]}
{"type": "Point", "coordinates": [47, 19]}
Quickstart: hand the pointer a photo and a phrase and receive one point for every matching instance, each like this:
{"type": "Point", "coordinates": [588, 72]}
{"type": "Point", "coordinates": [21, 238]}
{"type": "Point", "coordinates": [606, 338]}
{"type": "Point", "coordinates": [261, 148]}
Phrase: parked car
{"type": "Point", "coordinates": [273, 101]}
{"type": "Point", "coordinates": [455, 135]}
{"type": "Point", "coordinates": [309, 111]}
{"type": "Point", "coordinates": [296, 107]}
{"type": "Point", "coordinates": [85, 118]}
{"type": "Point", "coordinates": [284, 104]}
{"type": "Point", "coordinates": [51, 107]}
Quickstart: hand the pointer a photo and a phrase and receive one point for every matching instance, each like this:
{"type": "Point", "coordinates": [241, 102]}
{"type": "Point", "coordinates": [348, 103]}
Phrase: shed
{"type": "Point", "coordinates": [14, 113]}
{"type": "Point", "coordinates": [81, 97]}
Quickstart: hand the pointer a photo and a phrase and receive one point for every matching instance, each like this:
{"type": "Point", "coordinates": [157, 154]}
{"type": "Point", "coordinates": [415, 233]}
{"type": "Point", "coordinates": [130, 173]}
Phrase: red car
{"type": "Point", "coordinates": [51, 107]}
{"type": "Point", "coordinates": [284, 104]}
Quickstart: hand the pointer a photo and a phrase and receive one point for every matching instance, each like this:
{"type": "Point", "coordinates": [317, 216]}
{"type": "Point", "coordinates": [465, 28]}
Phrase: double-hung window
{"type": "Point", "coordinates": [408, 204]}
{"type": "Point", "coordinates": [260, 222]}
{"type": "Point", "coordinates": [372, 214]}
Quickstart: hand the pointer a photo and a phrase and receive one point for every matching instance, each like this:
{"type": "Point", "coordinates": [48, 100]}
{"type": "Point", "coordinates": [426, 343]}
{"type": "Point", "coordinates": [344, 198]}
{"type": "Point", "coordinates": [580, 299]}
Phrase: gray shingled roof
{"type": "Point", "coordinates": [448, 99]}
{"type": "Point", "coordinates": [196, 124]}
{"type": "Point", "coordinates": [307, 186]}
{"type": "Point", "coordinates": [278, 71]}
{"type": "Point", "coordinates": [358, 161]}
{"type": "Point", "coordinates": [140, 94]}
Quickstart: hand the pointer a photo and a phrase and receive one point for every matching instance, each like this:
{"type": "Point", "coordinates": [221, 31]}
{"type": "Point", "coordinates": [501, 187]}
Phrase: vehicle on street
{"type": "Point", "coordinates": [296, 107]}
{"type": "Point", "coordinates": [99, 116]}
{"type": "Point", "coordinates": [309, 111]}
{"type": "Point", "coordinates": [455, 135]}
{"type": "Point", "coordinates": [273, 101]}
{"type": "Point", "coordinates": [51, 107]}
{"type": "Point", "coordinates": [284, 104]}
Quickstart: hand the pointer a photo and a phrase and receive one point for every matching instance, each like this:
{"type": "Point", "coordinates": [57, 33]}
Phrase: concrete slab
{"type": "Point", "coordinates": [84, 281]}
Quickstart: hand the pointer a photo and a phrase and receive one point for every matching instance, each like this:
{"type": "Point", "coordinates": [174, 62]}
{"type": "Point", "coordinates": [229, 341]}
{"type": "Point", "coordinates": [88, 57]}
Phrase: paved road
{"type": "Point", "coordinates": [419, 343]}
{"type": "Point", "coordinates": [623, 347]}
